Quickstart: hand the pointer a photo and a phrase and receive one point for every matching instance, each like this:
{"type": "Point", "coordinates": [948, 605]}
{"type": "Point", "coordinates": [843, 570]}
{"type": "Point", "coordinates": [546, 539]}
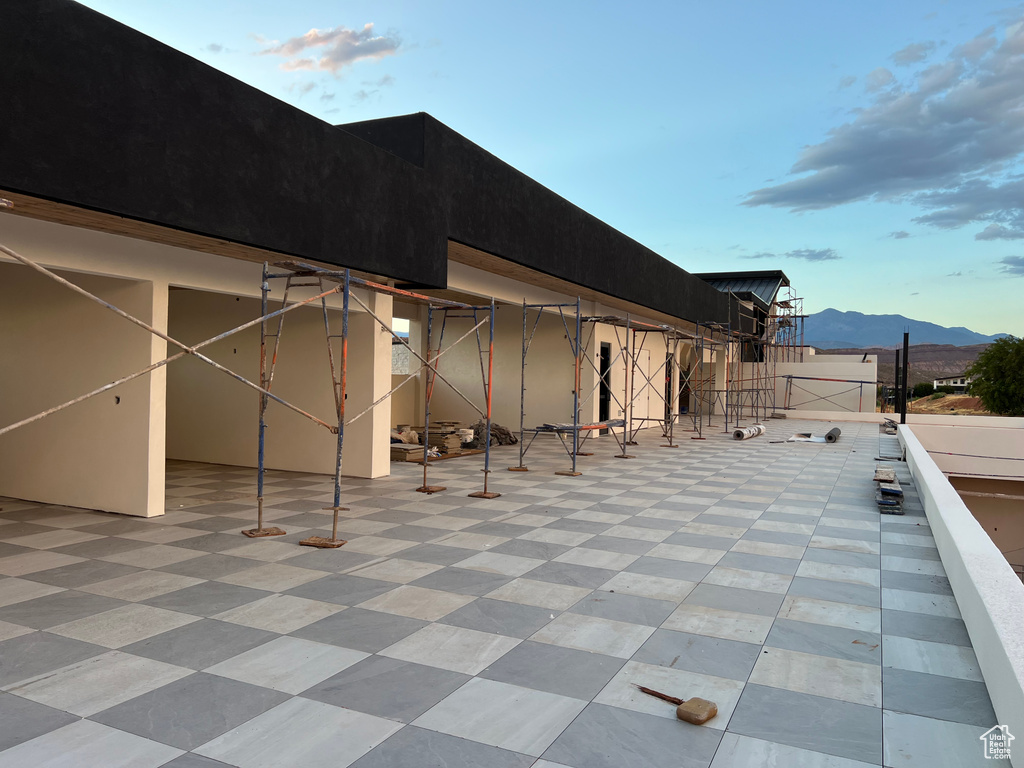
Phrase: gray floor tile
{"type": "Point", "coordinates": [463, 581]}
{"type": "Point", "coordinates": [58, 608]}
{"type": "Point", "coordinates": [704, 542]}
{"type": "Point", "coordinates": [670, 569]}
{"type": "Point", "coordinates": [40, 652]}
{"type": "Point", "coordinates": [573, 575]}
{"type": "Point", "coordinates": [217, 524]}
{"type": "Point", "coordinates": [500, 617]}
{"type": "Point", "coordinates": [21, 720]}
{"type": "Point", "coordinates": [838, 642]}
{"type": "Point", "coordinates": [423, 748]}
{"type": "Point", "coordinates": [579, 526]}
{"type": "Point", "coordinates": [906, 550]}
{"type": "Point", "coordinates": [916, 582]}
{"type": "Point", "coordinates": [622, 607]}
{"type": "Point", "coordinates": [330, 560]}
{"type": "Point", "coordinates": [191, 760]}
{"type": "Point", "coordinates": [206, 599]}
{"type": "Point", "coordinates": [201, 644]}
{"type": "Point", "coordinates": [342, 589]}
{"type": "Point", "coordinates": [922, 742]}
{"type": "Point", "coordinates": [699, 653]}
{"type": "Point", "coordinates": [551, 668]}
{"type": "Point", "coordinates": [360, 629]}
{"type": "Point", "coordinates": [936, 696]}
{"type": "Point", "coordinates": [439, 554]}
{"type": "Point", "coordinates": [101, 547]}
{"type": "Point", "coordinates": [81, 574]}
{"type": "Point", "coordinates": [617, 544]}
{"type": "Point", "coordinates": [734, 599]}
{"type": "Point", "coordinates": [846, 533]}
{"type": "Point", "coordinates": [398, 690]}
{"type": "Point", "coordinates": [191, 711]}
{"type": "Point", "coordinates": [839, 557]}
{"type": "Point", "coordinates": [777, 537]}
{"type": "Point", "coordinates": [921, 626]}
{"type": "Point", "coordinates": [609, 737]}
{"type": "Point", "coordinates": [824, 725]}
{"type": "Point", "coordinates": [210, 566]}
{"type": "Point", "coordinates": [212, 542]}
{"type": "Point", "coordinates": [418, 533]}
{"type": "Point", "coordinates": [783, 566]}
{"type": "Point", "coordinates": [836, 591]}
{"type": "Point", "coordinates": [539, 550]}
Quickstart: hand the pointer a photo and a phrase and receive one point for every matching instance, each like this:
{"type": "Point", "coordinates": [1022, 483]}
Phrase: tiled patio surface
{"type": "Point", "coordinates": [458, 632]}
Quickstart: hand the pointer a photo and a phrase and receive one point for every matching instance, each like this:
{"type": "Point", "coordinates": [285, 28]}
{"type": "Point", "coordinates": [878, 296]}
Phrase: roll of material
{"type": "Point", "coordinates": [832, 435]}
{"type": "Point", "coordinates": [745, 433]}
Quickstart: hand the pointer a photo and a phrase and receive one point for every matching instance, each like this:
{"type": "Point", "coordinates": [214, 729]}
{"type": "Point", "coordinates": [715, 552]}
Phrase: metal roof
{"type": "Point", "coordinates": [762, 285]}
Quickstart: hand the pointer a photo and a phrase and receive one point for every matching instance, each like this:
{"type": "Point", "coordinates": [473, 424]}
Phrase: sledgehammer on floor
{"type": "Point", "coordinates": [695, 710]}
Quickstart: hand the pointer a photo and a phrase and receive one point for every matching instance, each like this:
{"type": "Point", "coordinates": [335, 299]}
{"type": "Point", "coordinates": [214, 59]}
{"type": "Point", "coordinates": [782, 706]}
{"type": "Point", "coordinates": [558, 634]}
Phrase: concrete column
{"type": "Point", "coordinates": [367, 441]}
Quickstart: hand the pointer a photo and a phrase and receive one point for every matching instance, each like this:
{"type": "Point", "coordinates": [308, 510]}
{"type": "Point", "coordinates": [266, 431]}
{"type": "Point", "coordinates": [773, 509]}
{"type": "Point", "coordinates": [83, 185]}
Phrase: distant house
{"type": "Point", "coordinates": [959, 383]}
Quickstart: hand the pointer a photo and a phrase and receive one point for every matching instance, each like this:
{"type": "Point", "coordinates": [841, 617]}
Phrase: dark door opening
{"type": "Point", "coordinates": [604, 395]}
{"type": "Point", "coordinates": [684, 391]}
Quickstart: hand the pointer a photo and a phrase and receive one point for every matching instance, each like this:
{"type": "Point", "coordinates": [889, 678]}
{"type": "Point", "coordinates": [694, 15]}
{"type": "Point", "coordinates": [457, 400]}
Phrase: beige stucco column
{"type": "Point", "coordinates": [368, 440]}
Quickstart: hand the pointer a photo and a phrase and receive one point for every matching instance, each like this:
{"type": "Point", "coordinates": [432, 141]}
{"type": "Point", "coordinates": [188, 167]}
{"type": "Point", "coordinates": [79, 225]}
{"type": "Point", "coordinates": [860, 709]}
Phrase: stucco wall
{"type": "Point", "coordinates": [214, 418]}
{"type": "Point", "coordinates": [104, 453]}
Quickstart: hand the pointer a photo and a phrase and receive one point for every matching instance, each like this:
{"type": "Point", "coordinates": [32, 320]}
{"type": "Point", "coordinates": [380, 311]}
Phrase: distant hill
{"type": "Point", "coordinates": [927, 361]}
{"type": "Point", "coordinates": [832, 329]}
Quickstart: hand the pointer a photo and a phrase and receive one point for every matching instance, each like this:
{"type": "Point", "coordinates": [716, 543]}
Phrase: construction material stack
{"type": "Point", "coordinates": [888, 494]}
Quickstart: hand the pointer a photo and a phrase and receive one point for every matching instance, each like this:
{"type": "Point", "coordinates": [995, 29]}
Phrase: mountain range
{"type": "Point", "coordinates": [833, 329]}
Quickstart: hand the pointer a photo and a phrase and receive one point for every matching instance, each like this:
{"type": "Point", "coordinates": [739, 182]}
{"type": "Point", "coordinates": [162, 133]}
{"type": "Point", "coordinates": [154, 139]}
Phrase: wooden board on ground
{"type": "Point", "coordinates": [449, 455]}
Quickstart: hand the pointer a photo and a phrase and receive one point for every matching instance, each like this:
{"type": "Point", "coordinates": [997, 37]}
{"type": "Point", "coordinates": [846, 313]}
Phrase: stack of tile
{"type": "Point", "coordinates": [889, 495]}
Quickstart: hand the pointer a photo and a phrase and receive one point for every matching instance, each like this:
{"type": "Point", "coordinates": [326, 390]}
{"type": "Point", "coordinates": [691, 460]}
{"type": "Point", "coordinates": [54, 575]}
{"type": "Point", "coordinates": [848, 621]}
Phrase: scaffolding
{"type": "Point", "coordinates": [298, 275]}
{"type": "Point", "coordinates": [316, 277]}
{"type": "Point", "coordinates": [574, 338]}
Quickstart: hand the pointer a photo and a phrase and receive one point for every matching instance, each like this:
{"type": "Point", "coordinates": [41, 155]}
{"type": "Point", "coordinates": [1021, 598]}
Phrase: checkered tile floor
{"type": "Point", "coordinates": [458, 632]}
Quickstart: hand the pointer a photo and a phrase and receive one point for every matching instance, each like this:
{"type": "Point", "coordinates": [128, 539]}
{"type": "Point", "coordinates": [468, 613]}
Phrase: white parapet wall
{"type": "Point", "coordinates": [988, 592]}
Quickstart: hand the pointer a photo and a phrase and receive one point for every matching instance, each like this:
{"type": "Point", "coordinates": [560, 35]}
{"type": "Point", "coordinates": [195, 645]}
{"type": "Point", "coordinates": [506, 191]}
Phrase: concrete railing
{"type": "Point", "coordinates": [988, 592]}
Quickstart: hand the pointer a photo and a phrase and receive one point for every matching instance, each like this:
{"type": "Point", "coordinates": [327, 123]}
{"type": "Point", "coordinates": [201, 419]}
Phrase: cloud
{"type": "Point", "coordinates": [334, 49]}
{"type": "Point", "coordinates": [301, 88]}
{"type": "Point", "coordinates": [1012, 265]}
{"type": "Point", "coordinates": [385, 82]}
{"type": "Point", "coordinates": [806, 254]}
{"type": "Point", "coordinates": [214, 48]}
{"type": "Point", "coordinates": [877, 79]}
{"type": "Point", "coordinates": [949, 140]}
{"type": "Point", "coordinates": [912, 54]}
{"type": "Point", "coordinates": [955, 274]}
{"type": "Point", "coordinates": [327, 96]}
{"type": "Point", "coordinates": [998, 232]}
{"type": "Point", "coordinates": [916, 293]}
{"type": "Point", "coordinates": [900, 235]}
{"type": "Point", "coordinates": [846, 82]}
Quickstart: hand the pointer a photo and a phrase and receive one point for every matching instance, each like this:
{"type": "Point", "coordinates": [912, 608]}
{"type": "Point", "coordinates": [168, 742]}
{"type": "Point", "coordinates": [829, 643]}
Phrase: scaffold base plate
{"type": "Point", "coordinates": [624, 456]}
{"type": "Point", "coordinates": [568, 473]}
{"type": "Point", "coordinates": [259, 533]}
{"type": "Point", "coordinates": [431, 488]}
{"type": "Point", "coordinates": [518, 469]}
{"type": "Point", "coordinates": [322, 543]}
{"type": "Point", "coordinates": [483, 495]}
{"type": "Point", "coordinates": [670, 445]}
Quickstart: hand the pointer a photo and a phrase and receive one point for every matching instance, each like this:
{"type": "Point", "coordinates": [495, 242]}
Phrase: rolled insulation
{"type": "Point", "coordinates": [832, 435]}
{"type": "Point", "coordinates": [744, 433]}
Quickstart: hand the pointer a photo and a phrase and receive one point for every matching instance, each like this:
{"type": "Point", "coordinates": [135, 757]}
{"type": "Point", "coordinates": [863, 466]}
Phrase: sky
{"type": "Point", "coordinates": [871, 150]}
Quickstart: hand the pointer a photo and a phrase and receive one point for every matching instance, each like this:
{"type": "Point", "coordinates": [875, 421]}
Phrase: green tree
{"type": "Point", "coordinates": [923, 389]}
{"type": "Point", "coordinates": [998, 375]}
